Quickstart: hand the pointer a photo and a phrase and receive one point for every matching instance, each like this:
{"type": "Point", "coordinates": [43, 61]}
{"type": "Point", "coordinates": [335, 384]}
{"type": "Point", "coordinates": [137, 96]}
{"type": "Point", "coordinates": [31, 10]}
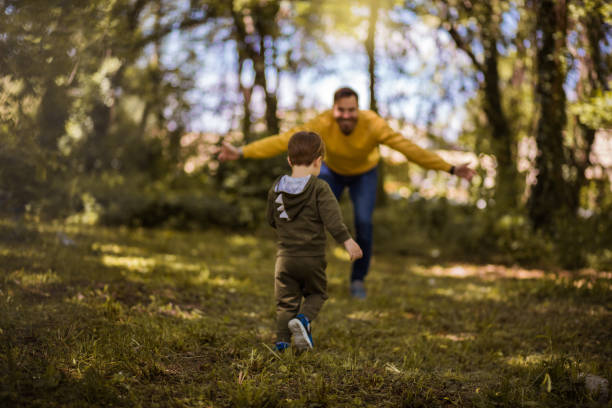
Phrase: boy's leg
{"type": "Point", "coordinates": [288, 297]}
{"type": "Point", "coordinates": [315, 286]}
{"type": "Point", "coordinates": [363, 194]}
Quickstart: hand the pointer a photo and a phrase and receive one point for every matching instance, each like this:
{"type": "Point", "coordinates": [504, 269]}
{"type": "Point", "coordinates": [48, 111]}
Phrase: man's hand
{"type": "Point", "coordinates": [464, 171]}
{"type": "Point", "coordinates": [353, 249]}
{"type": "Point", "coordinates": [228, 152]}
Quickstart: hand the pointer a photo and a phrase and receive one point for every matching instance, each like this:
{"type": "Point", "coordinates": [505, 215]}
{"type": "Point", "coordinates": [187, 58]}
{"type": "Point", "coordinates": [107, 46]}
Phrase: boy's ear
{"type": "Point", "coordinates": [289, 161]}
{"type": "Point", "coordinates": [319, 160]}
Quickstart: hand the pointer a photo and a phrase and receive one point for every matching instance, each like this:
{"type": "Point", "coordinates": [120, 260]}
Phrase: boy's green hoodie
{"type": "Point", "coordinates": [301, 213]}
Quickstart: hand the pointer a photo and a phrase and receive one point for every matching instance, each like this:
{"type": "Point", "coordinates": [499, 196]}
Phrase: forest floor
{"type": "Point", "coordinates": [94, 316]}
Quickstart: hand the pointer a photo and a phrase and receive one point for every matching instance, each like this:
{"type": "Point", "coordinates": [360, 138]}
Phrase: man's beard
{"type": "Point", "coordinates": [347, 125]}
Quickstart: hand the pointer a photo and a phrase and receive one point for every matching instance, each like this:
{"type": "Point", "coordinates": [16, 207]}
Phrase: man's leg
{"type": "Point", "coordinates": [334, 180]}
{"type": "Point", "coordinates": [363, 194]}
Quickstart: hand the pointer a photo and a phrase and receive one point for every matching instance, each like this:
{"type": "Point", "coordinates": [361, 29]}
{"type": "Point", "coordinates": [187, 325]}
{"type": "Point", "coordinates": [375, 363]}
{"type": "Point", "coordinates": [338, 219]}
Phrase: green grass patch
{"type": "Point", "coordinates": [185, 319]}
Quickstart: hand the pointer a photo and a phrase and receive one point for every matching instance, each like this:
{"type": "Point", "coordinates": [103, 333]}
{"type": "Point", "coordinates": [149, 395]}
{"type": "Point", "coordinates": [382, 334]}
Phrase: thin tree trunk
{"type": "Point", "coordinates": [53, 113]}
{"type": "Point", "coordinates": [370, 47]}
{"type": "Point", "coordinates": [246, 93]}
{"type": "Point", "coordinates": [504, 145]}
{"type": "Point", "coordinates": [271, 100]}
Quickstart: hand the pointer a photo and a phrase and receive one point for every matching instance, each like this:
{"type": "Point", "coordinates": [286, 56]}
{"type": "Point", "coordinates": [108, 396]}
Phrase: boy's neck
{"type": "Point", "coordinates": [302, 171]}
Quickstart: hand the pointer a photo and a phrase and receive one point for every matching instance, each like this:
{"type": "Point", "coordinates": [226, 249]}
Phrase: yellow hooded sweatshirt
{"type": "Point", "coordinates": [351, 154]}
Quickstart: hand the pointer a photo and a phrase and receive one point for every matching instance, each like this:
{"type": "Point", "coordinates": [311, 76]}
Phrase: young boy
{"type": "Point", "coordinates": [300, 208]}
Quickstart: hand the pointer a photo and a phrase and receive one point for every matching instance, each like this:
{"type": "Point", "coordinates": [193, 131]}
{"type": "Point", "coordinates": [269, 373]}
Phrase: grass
{"type": "Point", "coordinates": [158, 318]}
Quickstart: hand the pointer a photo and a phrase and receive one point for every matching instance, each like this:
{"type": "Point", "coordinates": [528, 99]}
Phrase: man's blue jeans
{"type": "Point", "coordinates": [362, 189]}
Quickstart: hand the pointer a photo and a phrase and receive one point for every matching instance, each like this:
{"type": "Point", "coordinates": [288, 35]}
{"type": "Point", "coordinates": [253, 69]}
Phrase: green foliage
{"type": "Point", "coordinates": [179, 203]}
{"type": "Point", "coordinates": [439, 229]}
{"type": "Point", "coordinates": [92, 115]}
{"type": "Point", "coordinates": [595, 112]}
{"type": "Point", "coordinates": [75, 102]}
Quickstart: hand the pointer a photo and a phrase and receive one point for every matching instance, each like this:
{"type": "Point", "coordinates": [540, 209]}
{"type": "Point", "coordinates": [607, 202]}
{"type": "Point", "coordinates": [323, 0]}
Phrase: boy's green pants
{"type": "Point", "coordinates": [296, 278]}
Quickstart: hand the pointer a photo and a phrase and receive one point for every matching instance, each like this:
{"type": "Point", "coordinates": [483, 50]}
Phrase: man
{"type": "Point", "coordinates": [351, 139]}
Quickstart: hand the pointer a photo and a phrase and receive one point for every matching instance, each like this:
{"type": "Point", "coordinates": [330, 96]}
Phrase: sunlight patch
{"type": "Point", "coordinates": [133, 263]}
{"type": "Point", "coordinates": [203, 276]}
{"type": "Point", "coordinates": [225, 268]}
{"type": "Point", "coordinates": [26, 279]}
{"type": "Point", "coordinates": [336, 280]}
{"type": "Point", "coordinates": [457, 336]}
{"type": "Point", "coordinates": [529, 360]}
{"type": "Point", "coordinates": [174, 264]}
{"type": "Point", "coordinates": [115, 249]}
{"type": "Point", "coordinates": [367, 315]}
{"type": "Point", "coordinates": [230, 282]}
{"type": "Point", "coordinates": [486, 272]}
{"type": "Point", "coordinates": [241, 240]}
{"type": "Point", "coordinates": [173, 310]}
{"type": "Point", "coordinates": [470, 292]}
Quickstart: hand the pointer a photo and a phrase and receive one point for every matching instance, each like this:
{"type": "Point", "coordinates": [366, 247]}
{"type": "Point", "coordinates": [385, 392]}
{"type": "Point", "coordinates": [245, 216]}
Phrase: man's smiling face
{"type": "Point", "coordinates": [345, 112]}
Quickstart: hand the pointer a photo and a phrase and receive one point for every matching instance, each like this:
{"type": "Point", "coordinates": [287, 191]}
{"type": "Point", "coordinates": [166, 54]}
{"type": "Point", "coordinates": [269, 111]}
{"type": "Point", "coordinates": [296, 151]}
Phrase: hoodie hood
{"type": "Point", "coordinates": [291, 195]}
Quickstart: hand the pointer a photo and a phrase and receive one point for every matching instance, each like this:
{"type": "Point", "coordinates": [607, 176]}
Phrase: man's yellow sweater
{"type": "Point", "coordinates": [351, 154]}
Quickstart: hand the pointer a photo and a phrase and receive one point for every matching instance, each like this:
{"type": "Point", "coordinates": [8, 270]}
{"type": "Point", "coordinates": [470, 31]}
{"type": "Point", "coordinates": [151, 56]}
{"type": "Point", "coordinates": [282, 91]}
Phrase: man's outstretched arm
{"type": "Point", "coordinates": [464, 171]}
{"type": "Point", "coordinates": [229, 152]}
{"type": "Point", "coordinates": [417, 154]}
{"type": "Point", "coordinates": [261, 149]}
{"type": "Point", "coordinates": [268, 146]}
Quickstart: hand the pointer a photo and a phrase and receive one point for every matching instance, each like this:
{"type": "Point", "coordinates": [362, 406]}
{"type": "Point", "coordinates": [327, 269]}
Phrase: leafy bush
{"type": "Point", "coordinates": [138, 202]}
{"type": "Point", "coordinates": [438, 228]}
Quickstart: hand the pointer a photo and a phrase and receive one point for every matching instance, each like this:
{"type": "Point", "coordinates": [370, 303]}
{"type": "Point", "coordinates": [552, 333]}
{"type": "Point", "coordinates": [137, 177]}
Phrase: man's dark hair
{"type": "Point", "coordinates": [345, 92]}
{"type": "Point", "coordinates": [304, 148]}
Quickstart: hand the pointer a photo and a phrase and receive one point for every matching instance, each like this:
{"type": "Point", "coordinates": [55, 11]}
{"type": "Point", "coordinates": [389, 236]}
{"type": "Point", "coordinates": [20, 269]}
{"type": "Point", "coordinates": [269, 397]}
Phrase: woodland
{"type": "Point", "coordinates": [136, 268]}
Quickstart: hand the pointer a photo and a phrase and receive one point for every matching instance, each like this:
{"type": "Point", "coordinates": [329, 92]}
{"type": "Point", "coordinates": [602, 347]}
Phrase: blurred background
{"type": "Point", "coordinates": [111, 113]}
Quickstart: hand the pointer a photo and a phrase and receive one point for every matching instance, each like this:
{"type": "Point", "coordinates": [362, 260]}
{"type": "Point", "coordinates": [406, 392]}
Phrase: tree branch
{"type": "Point", "coordinates": [164, 31]}
{"type": "Point", "coordinates": [462, 45]}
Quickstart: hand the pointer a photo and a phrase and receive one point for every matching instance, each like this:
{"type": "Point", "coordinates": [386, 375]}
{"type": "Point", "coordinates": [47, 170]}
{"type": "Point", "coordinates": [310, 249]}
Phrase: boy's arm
{"type": "Point", "coordinates": [270, 208]}
{"type": "Point", "coordinates": [329, 210]}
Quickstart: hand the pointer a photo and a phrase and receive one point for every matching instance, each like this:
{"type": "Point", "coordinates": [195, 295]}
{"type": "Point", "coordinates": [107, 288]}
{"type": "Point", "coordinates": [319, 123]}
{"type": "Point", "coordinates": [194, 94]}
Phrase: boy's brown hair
{"type": "Point", "coordinates": [304, 148]}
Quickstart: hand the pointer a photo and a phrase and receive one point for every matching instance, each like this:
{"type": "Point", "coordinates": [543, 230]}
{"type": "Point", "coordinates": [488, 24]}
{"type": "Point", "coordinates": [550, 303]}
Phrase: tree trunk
{"type": "Point", "coordinates": [504, 145]}
{"type": "Point", "coordinates": [257, 54]}
{"type": "Point", "coordinates": [261, 66]}
{"type": "Point", "coordinates": [503, 142]}
{"type": "Point", "coordinates": [53, 113]}
{"type": "Point", "coordinates": [370, 47]}
{"type": "Point", "coordinates": [246, 93]}
{"type": "Point", "coordinates": [550, 193]}
{"type": "Point", "coordinates": [593, 79]}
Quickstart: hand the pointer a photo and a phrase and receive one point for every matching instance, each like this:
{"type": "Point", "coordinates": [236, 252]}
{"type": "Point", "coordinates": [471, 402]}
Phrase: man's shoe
{"type": "Point", "coordinates": [281, 346]}
{"type": "Point", "coordinates": [358, 289]}
{"type": "Point", "coordinates": [300, 328]}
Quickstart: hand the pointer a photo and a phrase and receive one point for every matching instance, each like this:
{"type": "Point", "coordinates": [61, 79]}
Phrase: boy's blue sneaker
{"type": "Point", "coordinates": [281, 346]}
{"type": "Point", "coordinates": [300, 328]}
